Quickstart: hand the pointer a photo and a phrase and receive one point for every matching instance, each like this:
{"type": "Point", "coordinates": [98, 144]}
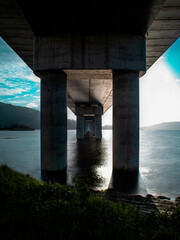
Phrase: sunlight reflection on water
{"type": "Point", "coordinates": [90, 158]}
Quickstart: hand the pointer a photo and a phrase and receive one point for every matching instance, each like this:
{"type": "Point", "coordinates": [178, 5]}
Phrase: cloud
{"type": "Point", "coordinates": [11, 91]}
{"type": "Point", "coordinates": [159, 95]}
{"type": "Point", "coordinates": [18, 84]}
{"type": "Point", "coordinates": [33, 78]}
{"type": "Point", "coordinates": [34, 104]}
{"type": "Point", "coordinates": [18, 102]}
{"type": "Point", "coordinates": [178, 80]}
{"type": "Point", "coordinates": [20, 71]}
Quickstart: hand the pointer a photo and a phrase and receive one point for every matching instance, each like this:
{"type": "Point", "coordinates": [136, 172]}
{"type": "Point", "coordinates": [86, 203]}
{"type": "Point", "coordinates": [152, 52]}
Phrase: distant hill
{"type": "Point", "coordinates": [10, 114]}
{"type": "Point", "coordinates": [164, 126]}
{"type": "Point", "coordinates": [107, 127]}
{"type": "Point", "coordinates": [71, 124]}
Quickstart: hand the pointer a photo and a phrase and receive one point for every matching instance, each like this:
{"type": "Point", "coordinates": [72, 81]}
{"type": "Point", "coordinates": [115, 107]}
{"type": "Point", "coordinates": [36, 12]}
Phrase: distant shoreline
{"type": "Point", "coordinates": [30, 129]}
{"type": "Point", "coordinates": [149, 129]}
{"type": "Point", "coordinates": [172, 126]}
{"type": "Point", "coordinates": [142, 129]}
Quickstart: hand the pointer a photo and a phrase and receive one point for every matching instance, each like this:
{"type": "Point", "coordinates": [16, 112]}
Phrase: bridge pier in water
{"type": "Point", "coordinates": [89, 119]}
{"type": "Point", "coordinates": [53, 120]}
{"type": "Point", "coordinates": [125, 120]}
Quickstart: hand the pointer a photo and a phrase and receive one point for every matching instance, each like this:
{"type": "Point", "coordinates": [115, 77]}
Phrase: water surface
{"type": "Point", "coordinates": [159, 160]}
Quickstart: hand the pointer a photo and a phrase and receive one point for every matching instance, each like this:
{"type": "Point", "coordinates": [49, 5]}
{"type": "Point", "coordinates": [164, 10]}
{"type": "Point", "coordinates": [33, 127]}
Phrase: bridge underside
{"type": "Point", "coordinates": [89, 56]}
{"type": "Point", "coordinates": [95, 71]}
{"type": "Point", "coordinates": [89, 88]}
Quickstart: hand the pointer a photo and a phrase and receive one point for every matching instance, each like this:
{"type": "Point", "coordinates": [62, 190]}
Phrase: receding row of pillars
{"type": "Point", "coordinates": [89, 124]}
{"type": "Point", "coordinates": [54, 120]}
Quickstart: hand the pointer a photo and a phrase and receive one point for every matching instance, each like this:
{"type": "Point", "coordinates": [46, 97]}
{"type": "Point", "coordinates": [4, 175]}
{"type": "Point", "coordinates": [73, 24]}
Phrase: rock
{"type": "Point", "coordinates": [149, 196]}
{"type": "Point", "coordinates": [138, 197]}
{"type": "Point", "coordinates": [163, 198]}
{"type": "Point", "coordinates": [177, 199]}
{"type": "Point", "coordinates": [143, 204]}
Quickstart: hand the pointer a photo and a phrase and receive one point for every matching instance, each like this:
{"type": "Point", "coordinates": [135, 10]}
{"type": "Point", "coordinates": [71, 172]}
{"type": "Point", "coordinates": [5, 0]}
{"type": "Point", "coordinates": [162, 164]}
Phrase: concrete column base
{"type": "Point", "coordinates": [125, 120]}
{"type": "Point", "coordinates": [125, 181]}
{"type": "Point", "coordinates": [53, 120]}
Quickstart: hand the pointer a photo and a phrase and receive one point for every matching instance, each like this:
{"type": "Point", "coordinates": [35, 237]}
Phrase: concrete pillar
{"type": "Point", "coordinates": [98, 126]}
{"type": "Point", "coordinates": [86, 129]}
{"type": "Point", "coordinates": [53, 120]}
{"type": "Point", "coordinates": [80, 127]}
{"type": "Point", "coordinates": [125, 120]}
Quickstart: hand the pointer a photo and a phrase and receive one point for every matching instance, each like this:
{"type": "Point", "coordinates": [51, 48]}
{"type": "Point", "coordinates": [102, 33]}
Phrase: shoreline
{"type": "Point", "coordinates": [145, 204]}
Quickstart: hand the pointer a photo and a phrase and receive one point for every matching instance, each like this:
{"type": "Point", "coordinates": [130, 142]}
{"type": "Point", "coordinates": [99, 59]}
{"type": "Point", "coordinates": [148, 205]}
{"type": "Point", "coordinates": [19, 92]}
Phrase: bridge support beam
{"type": "Point", "coordinates": [125, 120]}
{"type": "Point", "coordinates": [53, 120]}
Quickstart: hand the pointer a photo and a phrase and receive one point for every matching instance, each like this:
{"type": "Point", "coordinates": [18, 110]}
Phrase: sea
{"type": "Point", "coordinates": [159, 172]}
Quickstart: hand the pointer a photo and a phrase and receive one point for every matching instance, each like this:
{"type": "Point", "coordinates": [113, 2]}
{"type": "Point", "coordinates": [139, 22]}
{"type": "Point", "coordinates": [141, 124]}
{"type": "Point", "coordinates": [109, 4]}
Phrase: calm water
{"type": "Point", "coordinates": [159, 160]}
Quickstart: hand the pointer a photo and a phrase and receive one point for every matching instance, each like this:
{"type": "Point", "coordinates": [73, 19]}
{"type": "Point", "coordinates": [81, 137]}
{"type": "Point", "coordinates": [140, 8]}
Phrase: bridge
{"type": "Point", "coordinates": [89, 56]}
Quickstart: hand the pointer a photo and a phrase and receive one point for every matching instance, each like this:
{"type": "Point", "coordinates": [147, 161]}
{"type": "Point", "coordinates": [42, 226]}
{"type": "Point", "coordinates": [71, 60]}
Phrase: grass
{"type": "Point", "coordinates": [30, 209]}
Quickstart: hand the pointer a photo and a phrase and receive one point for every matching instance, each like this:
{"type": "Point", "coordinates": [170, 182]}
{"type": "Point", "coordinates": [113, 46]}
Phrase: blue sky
{"type": "Point", "coordinates": [172, 58]}
{"type": "Point", "coordinates": [18, 84]}
{"type": "Point", "coordinates": [159, 87]}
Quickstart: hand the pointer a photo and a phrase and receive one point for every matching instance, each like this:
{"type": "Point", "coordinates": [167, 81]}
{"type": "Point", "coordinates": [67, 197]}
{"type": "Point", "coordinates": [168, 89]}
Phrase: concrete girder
{"type": "Point", "coordinates": [92, 110]}
{"type": "Point", "coordinates": [95, 51]}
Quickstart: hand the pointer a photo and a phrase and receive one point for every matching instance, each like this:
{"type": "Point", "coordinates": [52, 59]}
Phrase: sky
{"type": "Point", "coordinates": [159, 87]}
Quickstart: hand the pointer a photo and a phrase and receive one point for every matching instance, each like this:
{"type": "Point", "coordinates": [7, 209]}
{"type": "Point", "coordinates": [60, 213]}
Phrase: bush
{"type": "Point", "coordinates": [30, 209]}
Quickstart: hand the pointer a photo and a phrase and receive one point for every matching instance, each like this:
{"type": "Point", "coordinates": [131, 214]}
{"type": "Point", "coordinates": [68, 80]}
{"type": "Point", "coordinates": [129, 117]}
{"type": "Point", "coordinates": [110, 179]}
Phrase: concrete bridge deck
{"type": "Point", "coordinates": [20, 20]}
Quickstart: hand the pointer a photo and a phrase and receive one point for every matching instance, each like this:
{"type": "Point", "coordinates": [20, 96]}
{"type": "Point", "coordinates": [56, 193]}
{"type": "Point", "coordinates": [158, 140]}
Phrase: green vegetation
{"type": "Point", "coordinates": [30, 209]}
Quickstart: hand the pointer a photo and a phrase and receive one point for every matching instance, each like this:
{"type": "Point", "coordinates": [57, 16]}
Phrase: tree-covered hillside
{"type": "Point", "coordinates": [10, 114]}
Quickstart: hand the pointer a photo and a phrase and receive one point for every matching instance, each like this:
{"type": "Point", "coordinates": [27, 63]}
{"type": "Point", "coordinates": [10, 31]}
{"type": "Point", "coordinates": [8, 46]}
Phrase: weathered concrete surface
{"type": "Point", "coordinates": [86, 110]}
{"type": "Point", "coordinates": [16, 31]}
{"type": "Point", "coordinates": [125, 120]}
{"type": "Point", "coordinates": [90, 87]}
{"type": "Point", "coordinates": [164, 30]}
{"type": "Point", "coordinates": [53, 120]}
{"type": "Point", "coordinates": [90, 16]}
{"type": "Point", "coordinates": [95, 51]}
